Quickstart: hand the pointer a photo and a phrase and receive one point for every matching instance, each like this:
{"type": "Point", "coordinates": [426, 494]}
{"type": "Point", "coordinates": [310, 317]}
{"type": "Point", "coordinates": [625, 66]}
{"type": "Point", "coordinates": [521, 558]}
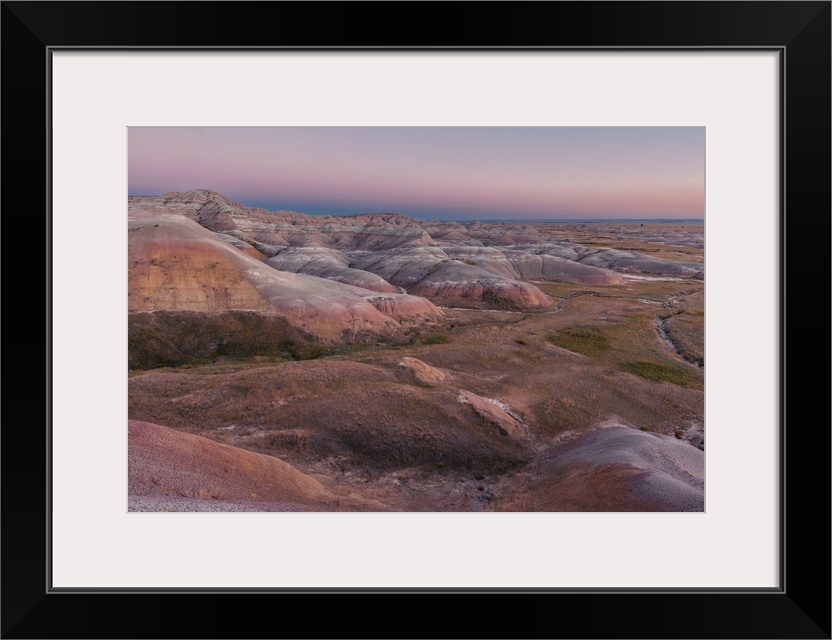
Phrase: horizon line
{"type": "Point", "coordinates": [564, 218]}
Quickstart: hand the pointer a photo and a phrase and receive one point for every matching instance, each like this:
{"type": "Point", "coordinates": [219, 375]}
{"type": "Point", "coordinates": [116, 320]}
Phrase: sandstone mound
{"type": "Point", "coordinates": [422, 372]}
{"type": "Point", "coordinates": [529, 264]}
{"type": "Point", "coordinates": [329, 264]}
{"type": "Point", "coordinates": [404, 268]}
{"type": "Point", "coordinates": [367, 232]}
{"type": "Point", "coordinates": [490, 259]}
{"type": "Point", "coordinates": [177, 265]}
{"type": "Point", "coordinates": [455, 282]}
{"type": "Point", "coordinates": [431, 272]}
{"type": "Point", "coordinates": [558, 269]}
{"type": "Point", "coordinates": [632, 262]}
{"type": "Point", "coordinates": [479, 265]}
{"type": "Point", "coordinates": [616, 468]}
{"type": "Point", "coordinates": [408, 311]}
{"type": "Point", "coordinates": [503, 234]}
{"type": "Point", "coordinates": [498, 415]}
{"type": "Point", "coordinates": [242, 245]}
{"type": "Point", "coordinates": [163, 462]}
{"type": "Point", "coordinates": [380, 231]}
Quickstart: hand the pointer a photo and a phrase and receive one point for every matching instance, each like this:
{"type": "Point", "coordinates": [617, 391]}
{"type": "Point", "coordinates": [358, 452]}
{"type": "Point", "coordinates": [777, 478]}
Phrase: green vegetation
{"type": "Point", "coordinates": [661, 373]}
{"type": "Point", "coordinates": [588, 341]}
{"type": "Point", "coordinates": [311, 352]}
{"type": "Point", "coordinates": [173, 339]}
{"type": "Point", "coordinates": [433, 338]}
{"type": "Point", "coordinates": [319, 351]}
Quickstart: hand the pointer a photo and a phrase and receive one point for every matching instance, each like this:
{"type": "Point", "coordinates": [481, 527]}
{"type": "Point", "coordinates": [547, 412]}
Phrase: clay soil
{"type": "Point", "coordinates": [373, 423]}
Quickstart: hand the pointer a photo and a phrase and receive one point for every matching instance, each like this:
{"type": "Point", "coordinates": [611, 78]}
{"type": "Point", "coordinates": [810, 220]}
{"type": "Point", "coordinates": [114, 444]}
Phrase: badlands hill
{"type": "Point", "coordinates": [378, 362]}
{"type": "Point", "coordinates": [170, 470]}
{"type": "Point", "coordinates": [210, 470]}
{"type": "Point", "coordinates": [178, 265]}
{"type": "Point", "coordinates": [344, 278]}
{"type": "Point", "coordinates": [616, 468]}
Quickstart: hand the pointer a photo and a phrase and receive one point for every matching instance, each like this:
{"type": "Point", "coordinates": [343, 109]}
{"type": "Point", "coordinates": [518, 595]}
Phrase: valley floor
{"type": "Point", "coordinates": [594, 405]}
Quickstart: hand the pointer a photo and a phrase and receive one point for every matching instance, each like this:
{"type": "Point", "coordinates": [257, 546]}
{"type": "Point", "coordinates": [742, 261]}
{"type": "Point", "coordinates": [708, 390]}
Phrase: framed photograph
{"type": "Point", "coordinates": [89, 85]}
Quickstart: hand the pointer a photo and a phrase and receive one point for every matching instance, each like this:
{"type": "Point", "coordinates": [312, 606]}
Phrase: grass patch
{"type": "Point", "coordinates": [233, 365]}
{"type": "Point", "coordinates": [433, 338]}
{"type": "Point", "coordinates": [345, 349]}
{"type": "Point", "coordinates": [588, 341]}
{"type": "Point", "coordinates": [319, 351]}
{"type": "Point", "coordinates": [176, 338]}
{"type": "Point", "coordinates": [661, 373]}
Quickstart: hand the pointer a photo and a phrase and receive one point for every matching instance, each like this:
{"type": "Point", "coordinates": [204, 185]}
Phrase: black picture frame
{"type": "Point", "coordinates": [799, 608]}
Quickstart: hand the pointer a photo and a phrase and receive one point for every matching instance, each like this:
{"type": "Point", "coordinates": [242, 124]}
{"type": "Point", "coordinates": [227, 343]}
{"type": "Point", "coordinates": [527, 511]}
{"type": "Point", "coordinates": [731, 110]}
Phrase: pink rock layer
{"type": "Point", "coordinates": [177, 265]}
{"type": "Point", "coordinates": [165, 462]}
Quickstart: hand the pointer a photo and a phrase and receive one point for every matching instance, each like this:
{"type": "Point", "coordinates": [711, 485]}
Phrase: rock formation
{"type": "Point", "coordinates": [164, 463]}
{"type": "Point", "coordinates": [343, 278]}
{"type": "Point", "coordinates": [177, 265]}
{"type": "Point", "coordinates": [617, 468]}
{"type": "Point", "coordinates": [422, 373]}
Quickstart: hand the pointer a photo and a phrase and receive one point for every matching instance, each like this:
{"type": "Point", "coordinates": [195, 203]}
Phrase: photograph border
{"type": "Point", "coordinates": [31, 31]}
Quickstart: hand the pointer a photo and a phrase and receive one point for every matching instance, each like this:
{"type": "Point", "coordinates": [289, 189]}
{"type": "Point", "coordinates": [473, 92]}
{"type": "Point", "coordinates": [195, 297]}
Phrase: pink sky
{"type": "Point", "coordinates": [432, 172]}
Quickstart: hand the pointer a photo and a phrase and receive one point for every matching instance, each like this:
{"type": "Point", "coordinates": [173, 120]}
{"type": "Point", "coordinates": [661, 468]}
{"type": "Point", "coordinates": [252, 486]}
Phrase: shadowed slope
{"type": "Point", "coordinates": [163, 462]}
{"type": "Point", "coordinates": [616, 468]}
{"type": "Point", "coordinates": [330, 264]}
{"type": "Point", "coordinates": [177, 265]}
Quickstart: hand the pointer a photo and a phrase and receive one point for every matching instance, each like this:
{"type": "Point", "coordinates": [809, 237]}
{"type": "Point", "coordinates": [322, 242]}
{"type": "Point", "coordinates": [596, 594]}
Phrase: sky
{"type": "Point", "coordinates": [438, 173]}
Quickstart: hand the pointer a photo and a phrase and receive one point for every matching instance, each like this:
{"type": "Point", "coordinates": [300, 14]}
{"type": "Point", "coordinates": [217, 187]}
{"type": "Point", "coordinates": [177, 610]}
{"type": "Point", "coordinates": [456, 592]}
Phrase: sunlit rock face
{"type": "Point", "coordinates": [369, 232]}
{"type": "Point", "coordinates": [631, 262]}
{"type": "Point", "coordinates": [330, 264]}
{"type": "Point", "coordinates": [529, 264]}
{"type": "Point", "coordinates": [163, 462]}
{"type": "Point", "coordinates": [177, 265]}
{"type": "Point", "coordinates": [470, 264]}
{"type": "Point", "coordinates": [456, 282]}
{"type": "Point", "coordinates": [431, 272]}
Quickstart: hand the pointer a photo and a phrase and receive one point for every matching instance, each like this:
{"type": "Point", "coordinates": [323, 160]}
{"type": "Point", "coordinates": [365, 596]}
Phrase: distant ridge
{"type": "Point", "coordinates": [369, 275]}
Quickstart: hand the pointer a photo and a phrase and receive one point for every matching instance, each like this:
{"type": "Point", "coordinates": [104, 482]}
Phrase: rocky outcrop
{"type": "Point", "coordinates": [528, 264]}
{"type": "Point", "coordinates": [493, 412]}
{"type": "Point", "coordinates": [422, 373]}
{"type": "Point", "coordinates": [456, 283]}
{"type": "Point", "coordinates": [164, 463]}
{"type": "Point", "coordinates": [177, 265]}
{"type": "Point", "coordinates": [408, 310]}
{"type": "Point", "coordinates": [376, 232]}
{"type": "Point", "coordinates": [330, 264]}
{"type": "Point", "coordinates": [404, 268]}
{"type": "Point", "coordinates": [555, 269]}
{"type": "Point", "coordinates": [430, 272]}
{"type": "Point", "coordinates": [468, 264]}
{"type": "Point", "coordinates": [368, 232]}
{"type": "Point", "coordinates": [617, 468]}
{"type": "Point", "coordinates": [242, 245]}
{"type": "Point", "coordinates": [631, 262]}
